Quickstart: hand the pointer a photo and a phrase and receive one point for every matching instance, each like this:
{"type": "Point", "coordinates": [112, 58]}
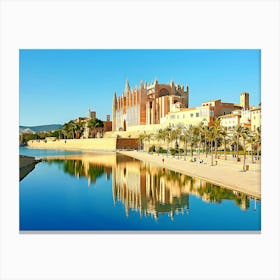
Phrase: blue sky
{"type": "Point", "coordinates": [59, 85]}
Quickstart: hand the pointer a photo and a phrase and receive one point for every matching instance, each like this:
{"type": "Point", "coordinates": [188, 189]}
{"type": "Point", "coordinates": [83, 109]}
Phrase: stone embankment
{"type": "Point", "coordinates": [99, 144]}
{"type": "Point", "coordinates": [92, 144]}
{"type": "Point", "coordinates": [26, 165]}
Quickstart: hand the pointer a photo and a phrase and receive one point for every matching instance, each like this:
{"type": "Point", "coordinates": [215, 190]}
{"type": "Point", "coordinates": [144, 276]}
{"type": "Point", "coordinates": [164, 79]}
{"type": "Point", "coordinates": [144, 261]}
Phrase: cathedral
{"type": "Point", "coordinates": [148, 104]}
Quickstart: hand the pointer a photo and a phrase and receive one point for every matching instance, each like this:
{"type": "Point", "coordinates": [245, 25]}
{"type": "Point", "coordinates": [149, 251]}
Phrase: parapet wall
{"type": "Point", "coordinates": [128, 143]}
{"type": "Point", "coordinates": [97, 144]}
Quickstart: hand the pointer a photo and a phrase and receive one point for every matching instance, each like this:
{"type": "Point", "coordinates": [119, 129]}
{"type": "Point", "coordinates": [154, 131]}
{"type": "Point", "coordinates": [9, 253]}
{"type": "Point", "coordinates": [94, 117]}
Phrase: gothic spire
{"type": "Point", "coordinates": [127, 87]}
{"type": "Point", "coordinates": [114, 98]}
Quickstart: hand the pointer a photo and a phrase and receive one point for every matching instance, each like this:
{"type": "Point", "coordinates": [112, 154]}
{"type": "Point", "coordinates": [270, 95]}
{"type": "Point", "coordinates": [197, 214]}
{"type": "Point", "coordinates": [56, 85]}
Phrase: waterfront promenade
{"type": "Point", "coordinates": [227, 173]}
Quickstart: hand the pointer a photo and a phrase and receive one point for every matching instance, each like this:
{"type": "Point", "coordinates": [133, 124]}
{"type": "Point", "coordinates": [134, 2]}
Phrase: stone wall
{"type": "Point", "coordinates": [99, 144]}
{"type": "Point", "coordinates": [127, 143]}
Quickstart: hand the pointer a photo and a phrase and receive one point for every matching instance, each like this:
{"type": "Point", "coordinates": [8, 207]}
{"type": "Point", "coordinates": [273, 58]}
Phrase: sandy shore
{"type": "Point", "coordinates": [227, 173]}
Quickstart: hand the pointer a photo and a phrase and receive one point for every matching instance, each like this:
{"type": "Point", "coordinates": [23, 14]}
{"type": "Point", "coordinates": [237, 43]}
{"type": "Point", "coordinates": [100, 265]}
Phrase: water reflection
{"type": "Point", "coordinates": [90, 167]}
{"type": "Point", "coordinates": [146, 188]}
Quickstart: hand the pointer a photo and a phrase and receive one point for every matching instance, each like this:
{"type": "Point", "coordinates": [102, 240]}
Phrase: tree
{"type": "Point", "coordinates": [149, 137]}
{"type": "Point", "coordinates": [194, 133]}
{"type": "Point", "coordinates": [167, 136]}
{"type": "Point", "coordinates": [141, 140]}
{"type": "Point", "coordinates": [174, 134]}
{"type": "Point", "coordinates": [237, 131]}
{"type": "Point", "coordinates": [217, 130]}
{"type": "Point", "coordinates": [179, 130]}
{"type": "Point", "coordinates": [251, 141]}
{"type": "Point", "coordinates": [65, 130]}
{"type": "Point", "coordinates": [258, 140]}
{"type": "Point", "coordinates": [224, 135]}
{"type": "Point", "coordinates": [143, 137]}
{"type": "Point", "coordinates": [211, 136]}
{"type": "Point", "coordinates": [159, 136]}
{"type": "Point", "coordinates": [72, 127]}
{"type": "Point", "coordinates": [79, 129]}
{"type": "Point", "coordinates": [185, 138]}
{"type": "Point", "coordinates": [204, 132]}
{"type": "Point", "coordinates": [244, 133]}
{"type": "Point", "coordinates": [93, 125]}
{"type": "Point", "coordinates": [200, 133]}
{"type": "Point", "coordinates": [69, 129]}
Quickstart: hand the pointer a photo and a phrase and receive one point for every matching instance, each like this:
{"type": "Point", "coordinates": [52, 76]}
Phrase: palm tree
{"type": "Point", "coordinates": [79, 128]}
{"type": "Point", "coordinates": [244, 133]}
{"type": "Point", "coordinates": [179, 132]}
{"type": "Point", "coordinates": [258, 140]}
{"type": "Point", "coordinates": [68, 129]}
{"type": "Point", "coordinates": [94, 124]}
{"type": "Point", "coordinates": [211, 136]}
{"type": "Point", "coordinates": [204, 133]}
{"type": "Point", "coordinates": [141, 138]}
{"type": "Point", "coordinates": [159, 136]}
{"type": "Point", "coordinates": [200, 133]}
{"type": "Point", "coordinates": [91, 126]}
{"type": "Point", "coordinates": [174, 135]}
{"type": "Point", "coordinates": [185, 137]}
{"type": "Point", "coordinates": [237, 131]}
{"type": "Point", "coordinates": [193, 137]}
{"type": "Point", "coordinates": [72, 127]}
{"type": "Point", "coordinates": [251, 141]}
{"type": "Point", "coordinates": [167, 136]}
{"type": "Point", "coordinates": [224, 135]}
{"type": "Point", "coordinates": [217, 129]}
{"type": "Point", "coordinates": [149, 137]}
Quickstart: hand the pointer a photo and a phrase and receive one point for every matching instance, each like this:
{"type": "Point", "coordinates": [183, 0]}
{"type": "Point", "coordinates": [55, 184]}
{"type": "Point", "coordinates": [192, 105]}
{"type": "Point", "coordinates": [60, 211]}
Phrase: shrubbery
{"type": "Point", "coordinates": [152, 149]}
{"type": "Point", "coordinates": [160, 150]}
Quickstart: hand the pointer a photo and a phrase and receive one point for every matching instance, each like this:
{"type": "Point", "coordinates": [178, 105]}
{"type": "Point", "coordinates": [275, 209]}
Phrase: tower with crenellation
{"type": "Point", "coordinates": [244, 100]}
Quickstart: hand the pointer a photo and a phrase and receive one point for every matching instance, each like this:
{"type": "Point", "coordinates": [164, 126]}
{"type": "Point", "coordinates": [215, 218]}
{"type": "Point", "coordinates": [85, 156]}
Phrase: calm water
{"type": "Point", "coordinates": [115, 192]}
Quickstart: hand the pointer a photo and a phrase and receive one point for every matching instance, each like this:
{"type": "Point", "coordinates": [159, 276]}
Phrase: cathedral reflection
{"type": "Point", "coordinates": [146, 188]}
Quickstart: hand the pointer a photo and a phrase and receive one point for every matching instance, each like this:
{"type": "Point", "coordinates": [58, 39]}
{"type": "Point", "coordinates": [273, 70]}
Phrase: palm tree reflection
{"type": "Point", "coordinates": [146, 188]}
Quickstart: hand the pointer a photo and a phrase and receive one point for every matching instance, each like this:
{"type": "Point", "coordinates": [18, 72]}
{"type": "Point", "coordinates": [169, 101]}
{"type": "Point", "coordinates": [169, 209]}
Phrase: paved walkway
{"type": "Point", "coordinates": [227, 173]}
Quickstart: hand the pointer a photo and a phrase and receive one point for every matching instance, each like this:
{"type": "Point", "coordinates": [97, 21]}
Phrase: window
{"type": "Point", "coordinates": [183, 116]}
{"type": "Point", "coordinates": [191, 115]}
{"type": "Point", "coordinates": [197, 115]}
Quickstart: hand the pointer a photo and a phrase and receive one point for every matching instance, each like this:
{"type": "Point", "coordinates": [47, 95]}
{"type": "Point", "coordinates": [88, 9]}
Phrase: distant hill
{"type": "Point", "coordinates": [39, 128]}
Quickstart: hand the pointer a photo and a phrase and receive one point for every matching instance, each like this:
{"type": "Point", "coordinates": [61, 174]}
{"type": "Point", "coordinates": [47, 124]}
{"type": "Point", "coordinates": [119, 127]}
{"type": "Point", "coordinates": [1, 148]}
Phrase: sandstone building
{"type": "Point", "coordinates": [147, 105]}
{"type": "Point", "coordinates": [157, 106]}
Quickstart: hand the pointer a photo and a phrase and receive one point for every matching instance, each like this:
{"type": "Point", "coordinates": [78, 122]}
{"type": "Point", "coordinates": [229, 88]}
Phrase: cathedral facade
{"type": "Point", "coordinates": [148, 104]}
